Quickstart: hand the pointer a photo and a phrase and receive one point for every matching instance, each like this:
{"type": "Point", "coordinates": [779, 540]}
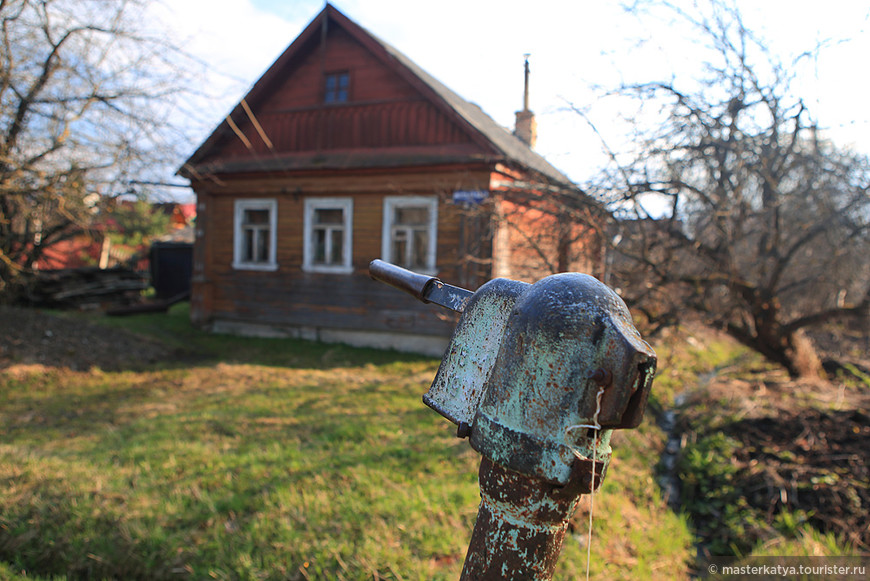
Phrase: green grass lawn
{"type": "Point", "coordinates": [274, 459]}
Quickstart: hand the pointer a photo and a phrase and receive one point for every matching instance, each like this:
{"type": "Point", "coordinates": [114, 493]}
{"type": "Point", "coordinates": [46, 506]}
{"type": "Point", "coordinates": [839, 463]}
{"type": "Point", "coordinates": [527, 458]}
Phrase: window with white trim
{"type": "Point", "coordinates": [255, 234]}
{"type": "Point", "coordinates": [328, 235]}
{"type": "Point", "coordinates": [410, 232]}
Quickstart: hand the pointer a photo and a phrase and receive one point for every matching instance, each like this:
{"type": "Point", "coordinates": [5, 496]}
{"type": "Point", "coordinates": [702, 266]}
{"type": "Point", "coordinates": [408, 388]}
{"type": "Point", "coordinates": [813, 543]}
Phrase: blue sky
{"type": "Point", "coordinates": [476, 48]}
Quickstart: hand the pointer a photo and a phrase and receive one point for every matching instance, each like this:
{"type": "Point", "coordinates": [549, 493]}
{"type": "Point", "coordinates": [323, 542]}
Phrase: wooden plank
{"type": "Point", "coordinates": [293, 297]}
{"type": "Point", "coordinates": [346, 302]}
{"type": "Point", "coordinates": [444, 179]}
{"type": "Point", "coordinates": [295, 118]}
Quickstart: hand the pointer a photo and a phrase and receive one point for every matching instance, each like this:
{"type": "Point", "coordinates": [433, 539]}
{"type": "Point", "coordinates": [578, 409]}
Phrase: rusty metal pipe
{"type": "Point", "coordinates": [401, 278]}
{"type": "Point", "coordinates": [521, 524]}
{"type": "Point", "coordinates": [428, 289]}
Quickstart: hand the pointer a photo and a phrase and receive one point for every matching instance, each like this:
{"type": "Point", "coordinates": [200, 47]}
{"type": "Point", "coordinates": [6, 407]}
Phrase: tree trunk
{"type": "Point", "coordinates": [804, 359]}
{"type": "Point", "coordinates": [793, 351]}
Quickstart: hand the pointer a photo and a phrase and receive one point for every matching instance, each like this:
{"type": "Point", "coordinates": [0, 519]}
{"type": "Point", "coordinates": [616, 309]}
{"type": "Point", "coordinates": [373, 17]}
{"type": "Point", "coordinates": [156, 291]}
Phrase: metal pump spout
{"type": "Point", "coordinates": [537, 375]}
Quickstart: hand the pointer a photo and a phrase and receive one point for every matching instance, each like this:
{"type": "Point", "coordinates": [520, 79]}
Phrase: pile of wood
{"type": "Point", "coordinates": [87, 288]}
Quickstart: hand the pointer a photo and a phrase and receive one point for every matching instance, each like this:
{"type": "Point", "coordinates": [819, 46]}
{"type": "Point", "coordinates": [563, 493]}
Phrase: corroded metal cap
{"type": "Point", "coordinates": [568, 337]}
{"type": "Point", "coordinates": [459, 384]}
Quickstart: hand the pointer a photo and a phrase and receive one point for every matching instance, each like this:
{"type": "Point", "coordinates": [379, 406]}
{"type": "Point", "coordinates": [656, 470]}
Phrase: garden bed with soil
{"type": "Point", "coordinates": [763, 455]}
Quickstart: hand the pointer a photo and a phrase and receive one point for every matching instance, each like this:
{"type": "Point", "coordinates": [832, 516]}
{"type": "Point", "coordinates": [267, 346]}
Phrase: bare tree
{"type": "Point", "coordinates": [86, 90]}
{"type": "Point", "coordinates": [550, 229]}
{"type": "Point", "coordinates": [738, 207]}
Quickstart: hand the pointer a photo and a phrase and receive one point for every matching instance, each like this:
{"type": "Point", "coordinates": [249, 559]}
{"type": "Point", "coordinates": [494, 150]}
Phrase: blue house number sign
{"type": "Point", "coordinates": [471, 197]}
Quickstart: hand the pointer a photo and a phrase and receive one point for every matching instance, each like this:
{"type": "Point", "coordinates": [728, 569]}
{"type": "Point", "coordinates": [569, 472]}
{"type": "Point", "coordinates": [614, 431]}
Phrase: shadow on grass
{"type": "Point", "coordinates": [175, 329]}
{"type": "Point", "coordinates": [81, 341]}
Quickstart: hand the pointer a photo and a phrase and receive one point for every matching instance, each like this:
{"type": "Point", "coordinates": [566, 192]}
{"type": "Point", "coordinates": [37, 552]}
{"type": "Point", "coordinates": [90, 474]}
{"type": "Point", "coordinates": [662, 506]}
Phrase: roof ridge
{"type": "Point", "coordinates": [500, 138]}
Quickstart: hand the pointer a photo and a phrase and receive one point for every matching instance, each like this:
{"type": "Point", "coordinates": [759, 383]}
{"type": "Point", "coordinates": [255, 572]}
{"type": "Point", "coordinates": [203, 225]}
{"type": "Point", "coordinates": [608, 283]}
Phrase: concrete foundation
{"type": "Point", "coordinates": [430, 345]}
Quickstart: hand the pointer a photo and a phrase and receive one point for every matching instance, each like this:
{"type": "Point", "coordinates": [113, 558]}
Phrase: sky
{"type": "Point", "coordinates": [476, 48]}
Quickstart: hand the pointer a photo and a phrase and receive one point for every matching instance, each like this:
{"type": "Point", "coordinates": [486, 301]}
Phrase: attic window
{"type": "Point", "coordinates": [336, 88]}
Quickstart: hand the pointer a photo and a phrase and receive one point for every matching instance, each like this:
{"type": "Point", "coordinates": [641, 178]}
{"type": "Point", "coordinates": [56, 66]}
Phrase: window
{"type": "Point", "coordinates": [254, 235]}
{"type": "Point", "coordinates": [336, 88]}
{"type": "Point", "coordinates": [328, 235]}
{"type": "Point", "coordinates": [410, 232]}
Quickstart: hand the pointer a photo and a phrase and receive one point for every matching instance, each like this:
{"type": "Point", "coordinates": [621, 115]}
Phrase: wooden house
{"type": "Point", "coordinates": [345, 151]}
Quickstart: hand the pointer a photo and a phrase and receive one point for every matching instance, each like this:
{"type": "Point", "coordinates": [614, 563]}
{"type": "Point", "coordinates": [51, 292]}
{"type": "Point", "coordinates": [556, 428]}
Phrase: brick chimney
{"type": "Point", "coordinates": [526, 128]}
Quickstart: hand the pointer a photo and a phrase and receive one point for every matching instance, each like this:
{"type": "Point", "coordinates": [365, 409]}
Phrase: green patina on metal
{"type": "Point", "coordinates": [539, 375]}
{"type": "Point", "coordinates": [561, 330]}
{"type": "Point", "coordinates": [460, 382]}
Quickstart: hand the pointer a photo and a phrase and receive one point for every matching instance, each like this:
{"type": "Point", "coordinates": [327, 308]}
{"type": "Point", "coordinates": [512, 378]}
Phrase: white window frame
{"type": "Point", "coordinates": [313, 204]}
{"type": "Point", "coordinates": [240, 206]}
{"type": "Point", "coordinates": [393, 202]}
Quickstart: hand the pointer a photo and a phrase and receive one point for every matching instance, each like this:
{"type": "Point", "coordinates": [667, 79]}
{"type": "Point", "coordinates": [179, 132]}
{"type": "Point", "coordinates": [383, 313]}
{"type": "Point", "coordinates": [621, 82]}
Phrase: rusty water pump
{"type": "Point", "coordinates": [536, 376]}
